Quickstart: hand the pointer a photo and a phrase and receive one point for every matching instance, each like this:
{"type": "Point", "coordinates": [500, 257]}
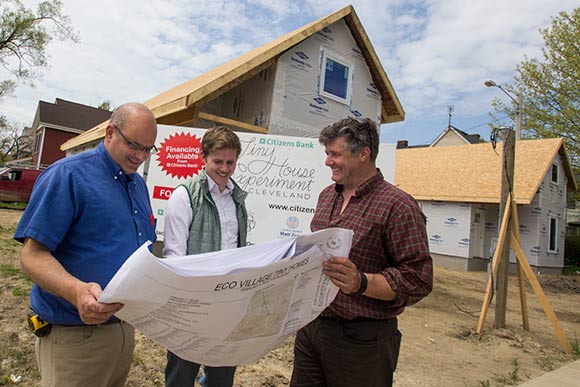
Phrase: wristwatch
{"type": "Point", "coordinates": [364, 282]}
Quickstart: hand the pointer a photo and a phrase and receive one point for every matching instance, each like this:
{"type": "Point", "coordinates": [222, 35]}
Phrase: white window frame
{"type": "Point", "coordinates": [553, 220]}
{"type": "Point", "coordinates": [337, 59]}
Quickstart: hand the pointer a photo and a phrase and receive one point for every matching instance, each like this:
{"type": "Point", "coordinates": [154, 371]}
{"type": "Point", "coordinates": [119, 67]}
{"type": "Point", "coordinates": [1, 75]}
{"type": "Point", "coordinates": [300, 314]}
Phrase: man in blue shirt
{"type": "Point", "coordinates": [87, 214]}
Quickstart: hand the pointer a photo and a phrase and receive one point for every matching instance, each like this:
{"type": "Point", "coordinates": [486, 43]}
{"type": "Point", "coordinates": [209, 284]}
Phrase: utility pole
{"type": "Point", "coordinates": [519, 113]}
{"type": "Point", "coordinates": [507, 189]}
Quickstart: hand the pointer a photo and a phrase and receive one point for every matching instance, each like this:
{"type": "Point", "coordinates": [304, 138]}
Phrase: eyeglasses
{"type": "Point", "coordinates": [135, 145]}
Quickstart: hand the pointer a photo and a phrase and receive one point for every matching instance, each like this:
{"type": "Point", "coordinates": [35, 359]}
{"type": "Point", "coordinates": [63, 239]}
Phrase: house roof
{"type": "Point", "coordinates": [472, 173]}
{"type": "Point", "coordinates": [67, 114]}
{"type": "Point", "coordinates": [466, 137]}
{"type": "Point", "coordinates": [180, 103]}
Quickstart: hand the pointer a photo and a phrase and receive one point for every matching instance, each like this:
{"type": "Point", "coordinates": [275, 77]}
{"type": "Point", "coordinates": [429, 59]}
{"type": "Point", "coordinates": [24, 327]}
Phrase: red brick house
{"type": "Point", "coordinates": [55, 123]}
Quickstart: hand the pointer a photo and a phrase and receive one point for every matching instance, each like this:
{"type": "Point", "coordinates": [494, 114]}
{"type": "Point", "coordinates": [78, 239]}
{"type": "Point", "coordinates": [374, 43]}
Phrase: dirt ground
{"type": "Point", "coordinates": [440, 344]}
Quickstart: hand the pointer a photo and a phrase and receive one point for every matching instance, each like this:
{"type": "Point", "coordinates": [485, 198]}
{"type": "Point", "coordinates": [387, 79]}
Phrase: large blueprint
{"type": "Point", "coordinates": [228, 307]}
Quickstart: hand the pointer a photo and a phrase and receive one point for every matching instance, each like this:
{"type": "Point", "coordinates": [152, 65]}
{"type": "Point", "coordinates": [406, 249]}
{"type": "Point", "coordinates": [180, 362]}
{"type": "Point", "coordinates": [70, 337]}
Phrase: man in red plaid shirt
{"type": "Point", "coordinates": [355, 341]}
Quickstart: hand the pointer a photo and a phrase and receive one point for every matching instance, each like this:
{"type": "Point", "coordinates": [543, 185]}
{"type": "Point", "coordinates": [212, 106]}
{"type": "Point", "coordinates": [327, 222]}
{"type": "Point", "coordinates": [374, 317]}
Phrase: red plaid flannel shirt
{"type": "Point", "coordinates": [390, 238]}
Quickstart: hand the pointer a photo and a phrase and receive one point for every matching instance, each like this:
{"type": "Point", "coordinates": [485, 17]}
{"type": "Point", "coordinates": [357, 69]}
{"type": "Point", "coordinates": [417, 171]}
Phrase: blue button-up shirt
{"type": "Point", "coordinates": [92, 216]}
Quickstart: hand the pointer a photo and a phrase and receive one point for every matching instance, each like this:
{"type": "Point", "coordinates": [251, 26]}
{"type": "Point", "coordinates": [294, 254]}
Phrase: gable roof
{"type": "Point", "coordinates": [178, 104]}
{"type": "Point", "coordinates": [466, 137]}
{"type": "Point", "coordinates": [63, 114]}
{"type": "Point", "coordinates": [472, 173]}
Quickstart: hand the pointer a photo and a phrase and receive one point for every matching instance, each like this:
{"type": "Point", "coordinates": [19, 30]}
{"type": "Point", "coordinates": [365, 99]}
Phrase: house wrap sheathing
{"type": "Point", "coordinates": [458, 188]}
{"type": "Point", "coordinates": [293, 86]}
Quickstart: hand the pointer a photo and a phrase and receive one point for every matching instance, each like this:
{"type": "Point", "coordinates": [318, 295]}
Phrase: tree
{"type": "Point", "coordinates": [550, 87]}
{"type": "Point", "coordinates": [24, 38]}
{"type": "Point", "coordinates": [105, 105]}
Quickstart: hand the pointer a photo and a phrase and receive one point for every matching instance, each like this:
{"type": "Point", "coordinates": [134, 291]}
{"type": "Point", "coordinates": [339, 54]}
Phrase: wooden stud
{"type": "Point", "coordinates": [495, 263]}
{"type": "Point", "coordinates": [540, 294]}
{"type": "Point", "coordinates": [521, 280]}
{"type": "Point", "coordinates": [230, 122]}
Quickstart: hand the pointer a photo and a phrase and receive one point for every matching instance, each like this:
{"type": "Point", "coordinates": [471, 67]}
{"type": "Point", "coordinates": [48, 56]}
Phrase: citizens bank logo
{"type": "Point", "coordinates": [319, 100]}
{"type": "Point", "coordinates": [292, 222]}
{"type": "Point", "coordinates": [333, 243]}
{"type": "Point", "coordinates": [356, 113]}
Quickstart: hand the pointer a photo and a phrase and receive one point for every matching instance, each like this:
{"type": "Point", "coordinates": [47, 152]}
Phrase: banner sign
{"type": "Point", "coordinates": [283, 176]}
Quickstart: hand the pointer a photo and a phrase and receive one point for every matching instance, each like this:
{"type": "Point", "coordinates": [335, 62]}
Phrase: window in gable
{"type": "Point", "coordinates": [336, 78]}
{"type": "Point", "coordinates": [555, 175]}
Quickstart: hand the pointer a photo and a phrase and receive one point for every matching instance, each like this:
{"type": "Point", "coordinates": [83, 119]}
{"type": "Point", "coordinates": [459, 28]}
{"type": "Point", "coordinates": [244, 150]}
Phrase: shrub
{"type": "Point", "coordinates": [572, 251]}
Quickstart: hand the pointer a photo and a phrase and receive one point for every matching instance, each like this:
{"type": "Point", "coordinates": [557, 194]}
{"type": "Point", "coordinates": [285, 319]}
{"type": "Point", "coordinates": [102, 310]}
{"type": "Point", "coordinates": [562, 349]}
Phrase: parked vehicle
{"type": "Point", "coordinates": [16, 183]}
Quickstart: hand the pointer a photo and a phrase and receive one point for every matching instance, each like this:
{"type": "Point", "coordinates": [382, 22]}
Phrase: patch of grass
{"type": "Point", "coordinates": [19, 292]}
{"type": "Point", "coordinates": [484, 383]}
{"type": "Point", "coordinates": [513, 377]}
{"type": "Point", "coordinates": [571, 270]}
{"type": "Point", "coordinates": [8, 270]}
{"type": "Point", "coordinates": [18, 358]}
{"type": "Point", "coordinates": [575, 349]}
{"type": "Point", "coordinates": [7, 230]}
{"type": "Point", "coordinates": [4, 380]}
{"type": "Point", "coordinates": [137, 360]}
{"type": "Point", "coordinates": [547, 363]}
{"type": "Point", "coordinates": [13, 206]}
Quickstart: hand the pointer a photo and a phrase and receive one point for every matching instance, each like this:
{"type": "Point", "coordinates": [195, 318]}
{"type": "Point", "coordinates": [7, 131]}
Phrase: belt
{"type": "Point", "coordinates": [112, 320]}
{"type": "Point", "coordinates": [331, 316]}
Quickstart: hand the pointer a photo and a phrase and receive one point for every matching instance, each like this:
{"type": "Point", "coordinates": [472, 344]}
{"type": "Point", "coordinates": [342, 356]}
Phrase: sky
{"type": "Point", "coordinates": [436, 53]}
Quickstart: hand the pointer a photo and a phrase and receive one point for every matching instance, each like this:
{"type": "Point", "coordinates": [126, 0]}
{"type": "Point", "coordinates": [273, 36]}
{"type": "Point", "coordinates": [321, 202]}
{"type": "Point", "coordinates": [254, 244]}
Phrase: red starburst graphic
{"type": "Point", "coordinates": [180, 155]}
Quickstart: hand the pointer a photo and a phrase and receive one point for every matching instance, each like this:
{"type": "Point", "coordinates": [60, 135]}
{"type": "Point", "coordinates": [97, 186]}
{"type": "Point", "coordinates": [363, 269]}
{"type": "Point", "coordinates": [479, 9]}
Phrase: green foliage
{"type": "Point", "coordinates": [13, 206]}
{"type": "Point", "coordinates": [513, 377]}
{"type": "Point", "coordinates": [105, 105]}
{"type": "Point", "coordinates": [25, 35]}
{"type": "Point", "coordinates": [550, 86]}
{"type": "Point", "coordinates": [575, 349]}
{"type": "Point", "coordinates": [547, 363]}
{"type": "Point", "coordinates": [19, 292]}
{"type": "Point", "coordinates": [24, 38]}
{"type": "Point", "coordinates": [8, 270]}
{"type": "Point", "coordinates": [572, 251]}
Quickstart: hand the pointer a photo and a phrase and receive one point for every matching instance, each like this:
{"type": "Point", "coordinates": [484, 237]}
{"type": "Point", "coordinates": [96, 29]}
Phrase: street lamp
{"type": "Point", "coordinates": [517, 101]}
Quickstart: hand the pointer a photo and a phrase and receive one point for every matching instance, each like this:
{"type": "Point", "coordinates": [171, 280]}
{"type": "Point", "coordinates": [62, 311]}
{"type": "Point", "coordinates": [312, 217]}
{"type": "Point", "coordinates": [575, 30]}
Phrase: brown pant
{"type": "Point", "coordinates": [336, 352]}
{"type": "Point", "coordinates": [86, 356]}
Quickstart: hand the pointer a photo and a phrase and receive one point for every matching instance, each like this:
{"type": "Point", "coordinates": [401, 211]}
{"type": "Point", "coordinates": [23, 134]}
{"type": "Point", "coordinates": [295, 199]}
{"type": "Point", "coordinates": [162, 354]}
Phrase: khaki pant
{"type": "Point", "coordinates": [86, 356]}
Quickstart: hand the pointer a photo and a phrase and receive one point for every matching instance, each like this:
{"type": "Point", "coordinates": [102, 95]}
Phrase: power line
{"type": "Point", "coordinates": [485, 123]}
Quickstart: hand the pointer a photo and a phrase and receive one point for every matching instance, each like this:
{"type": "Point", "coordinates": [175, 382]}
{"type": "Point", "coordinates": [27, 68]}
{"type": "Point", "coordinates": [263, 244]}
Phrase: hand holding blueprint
{"type": "Point", "coordinates": [228, 307]}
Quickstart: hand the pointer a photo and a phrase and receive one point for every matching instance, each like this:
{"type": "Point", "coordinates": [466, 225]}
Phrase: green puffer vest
{"type": "Point", "coordinates": [205, 230]}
